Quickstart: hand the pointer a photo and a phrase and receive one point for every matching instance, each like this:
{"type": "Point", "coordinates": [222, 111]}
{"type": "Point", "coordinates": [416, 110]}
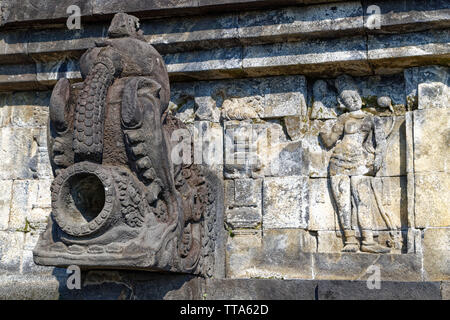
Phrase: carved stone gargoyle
{"type": "Point", "coordinates": [118, 201]}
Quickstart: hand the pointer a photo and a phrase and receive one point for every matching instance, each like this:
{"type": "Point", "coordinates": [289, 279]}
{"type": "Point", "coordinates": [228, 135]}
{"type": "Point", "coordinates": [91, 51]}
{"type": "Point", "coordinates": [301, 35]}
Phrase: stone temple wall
{"type": "Point", "coordinates": [258, 83]}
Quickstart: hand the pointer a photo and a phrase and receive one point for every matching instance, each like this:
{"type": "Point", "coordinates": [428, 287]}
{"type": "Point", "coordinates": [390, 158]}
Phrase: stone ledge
{"type": "Point", "coordinates": [408, 16]}
{"type": "Point", "coordinates": [320, 57]}
{"type": "Point", "coordinates": [54, 11]}
{"type": "Point", "coordinates": [314, 40]}
{"type": "Point", "coordinates": [114, 285]}
{"type": "Point", "coordinates": [357, 290]}
{"type": "Point", "coordinates": [231, 29]}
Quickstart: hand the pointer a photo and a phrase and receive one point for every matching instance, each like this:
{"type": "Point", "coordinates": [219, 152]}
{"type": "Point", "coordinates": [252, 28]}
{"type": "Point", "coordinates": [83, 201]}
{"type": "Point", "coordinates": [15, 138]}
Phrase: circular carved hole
{"type": "Point", "coordinates": [82, 198]}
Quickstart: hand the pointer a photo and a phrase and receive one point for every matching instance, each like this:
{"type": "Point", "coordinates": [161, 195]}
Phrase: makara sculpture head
{"type": "Point", "coordinates": [118, 201]}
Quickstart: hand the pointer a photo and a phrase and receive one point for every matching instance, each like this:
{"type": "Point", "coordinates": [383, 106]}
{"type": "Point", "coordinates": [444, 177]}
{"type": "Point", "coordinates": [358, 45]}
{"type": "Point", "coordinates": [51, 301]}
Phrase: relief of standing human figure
{"type": "Point", "coordinates": [359, 145]}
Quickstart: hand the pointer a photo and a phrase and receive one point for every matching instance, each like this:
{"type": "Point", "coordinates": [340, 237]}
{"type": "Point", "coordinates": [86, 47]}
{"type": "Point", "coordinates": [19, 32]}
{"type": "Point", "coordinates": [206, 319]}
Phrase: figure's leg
{"type": "Point", "coordinates": [340, 186]}
{"type": "Point", "coordinates": [361, 193]}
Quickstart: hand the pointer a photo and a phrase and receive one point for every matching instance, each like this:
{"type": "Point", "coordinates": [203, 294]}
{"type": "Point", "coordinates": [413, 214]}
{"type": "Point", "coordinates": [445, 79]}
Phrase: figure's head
{"type": "Point", "coordinates": [123, 25]}
{"type": "Point", "coordinates": [348, 98]}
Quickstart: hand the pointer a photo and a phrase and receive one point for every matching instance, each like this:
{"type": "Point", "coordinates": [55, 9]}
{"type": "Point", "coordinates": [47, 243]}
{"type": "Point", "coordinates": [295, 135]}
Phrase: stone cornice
{"type": "Point", "coordinates": [315, 40]}
{"type": "Point", "coordinates": [47, 12]}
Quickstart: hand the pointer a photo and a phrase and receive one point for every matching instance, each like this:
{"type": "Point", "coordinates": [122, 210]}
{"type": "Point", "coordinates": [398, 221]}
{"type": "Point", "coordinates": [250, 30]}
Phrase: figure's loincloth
{"type": "Point", "coordinates": [351, 161]}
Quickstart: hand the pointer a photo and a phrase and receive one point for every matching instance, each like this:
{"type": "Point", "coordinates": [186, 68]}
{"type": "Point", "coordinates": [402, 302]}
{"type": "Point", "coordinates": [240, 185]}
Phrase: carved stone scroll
{"type": "Point", "coordinates": [118, 201]}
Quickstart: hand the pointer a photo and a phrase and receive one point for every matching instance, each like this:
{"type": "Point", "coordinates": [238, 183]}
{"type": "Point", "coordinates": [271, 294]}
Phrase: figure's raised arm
{"type": "Point", "coordinates": [330, 137]}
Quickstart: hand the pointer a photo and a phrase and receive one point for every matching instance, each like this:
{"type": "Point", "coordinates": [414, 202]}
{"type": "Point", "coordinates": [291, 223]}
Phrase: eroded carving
{"type": "Point", "coordinates": [358, 143]}
{"type": "Point", "coordinates": [117, 198]}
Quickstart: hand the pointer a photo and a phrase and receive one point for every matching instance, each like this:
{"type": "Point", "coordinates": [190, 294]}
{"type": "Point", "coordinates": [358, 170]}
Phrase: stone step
{"type": "Point", "coordinates": [113, 285]}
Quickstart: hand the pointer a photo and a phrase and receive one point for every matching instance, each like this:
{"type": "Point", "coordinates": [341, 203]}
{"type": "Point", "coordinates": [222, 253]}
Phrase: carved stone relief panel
{"type": "Point", "coordinates": [359, 142]}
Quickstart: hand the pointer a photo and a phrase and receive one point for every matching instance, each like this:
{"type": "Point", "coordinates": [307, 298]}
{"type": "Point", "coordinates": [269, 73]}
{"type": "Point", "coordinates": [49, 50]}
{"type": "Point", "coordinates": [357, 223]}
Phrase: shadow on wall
{"type": "Point", "coordinates": [127, 285]}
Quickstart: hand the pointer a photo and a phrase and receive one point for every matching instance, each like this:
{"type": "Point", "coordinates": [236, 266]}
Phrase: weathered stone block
{"type": "Point", "coordinates": [324, 104]}
{"type": "Point", "coordinates": [21, 204]}
{"type": "Point", "coordinates": [29, 99]}
{"type": "Point", "coordinates": [61, 43]}
{"type": "Point", "coordinates": [240, 250]}
{"type": "Point", "coordinates": [278, 256]}
{"type": "Point", "coordinates": [434, 80]}
{"type": "Point", "coordinates": [24, 109]}
{"type": "Point", "coordinates": [321, 208]}
{"type": "Point", "coordinates": [29, 116]}
{"type": "Point", "coordinates": [24, 153]}
{"type": "Point", "coordinates": [296, 126]}
{"type": "Point", "coordinates": [228, 193]}
{"type": "Point", "coordinates": [414, 241]}
{"type": "Point", "coordinates": [247, 192]}
{"type": "Point", "coordinates": [432, 85]}
{"type": "Point", "coordinates": [28, 265]}
{"type": "Point", "coordinates": [290, 239]}
{"type": "Point", "coordinates": [5, 203]}
{"type": "Point", "coordinates": [4, 115]}
{"type": "Point", "coordinates": [433, 95]}
{"type": "Point", "coordinates": [43, 198]}
{"type": "Point", "coordinates": [329, 242]}
{"type": "Point", "coordinates": [445, 289]}
{"type": "Point", "coordinates": [293, 23]}
{"type": "Point", "coordinates": [314, 57]}
{"type": "Point", "coordinates": [436, 254]}
{"type": "Point", "coordinates": [29, 287]}
{"type": "Point", "coordinates": [37, 218]}
{"type": "Point", "coordinates": [256, 98]}
{"type": "Point", "coordinates": [190, 33]}
{"type": "Point", "coordinates": [285, 202]}
{"type": "Point", "coordinates": [243, 203]}
{"type": "Point", "coordinates": [11, 247]}
{"type": "Point", "coordinates": [388, 290]}
{"type": "Point", "coordinates": [259, 289]}
{"type": "Point", "coordinates": [358, 266]}
{"type": "Point", "coordinates": [220, 63]}
{"type": "Point", "coordinates": [238, 99]}
{"type": "Point", "coordinates": [395, 159]}
{"type": "Point", "coordinates": [251, 147]}
{"type": "Point", "coordinates": [432, 203]}
{"type": "Point", "coordinates": [285, 159]}
{"type": "Point", "coordinates": [395, 52]}
{"type": "Point", "coordinates": [244, 217]}
{"type": "Point", "coordinates": [285, 96]}
{"type": "Point", "coordinates": [241, 159]}
{"type": "Point", "coordinates": [411, 87]}
{"type": "Point", "coordinates": [208, 145]}
{"type": "Point", "coordinates": [30, 204]}
{"type": "Point", "coordinates": [431, 140]}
